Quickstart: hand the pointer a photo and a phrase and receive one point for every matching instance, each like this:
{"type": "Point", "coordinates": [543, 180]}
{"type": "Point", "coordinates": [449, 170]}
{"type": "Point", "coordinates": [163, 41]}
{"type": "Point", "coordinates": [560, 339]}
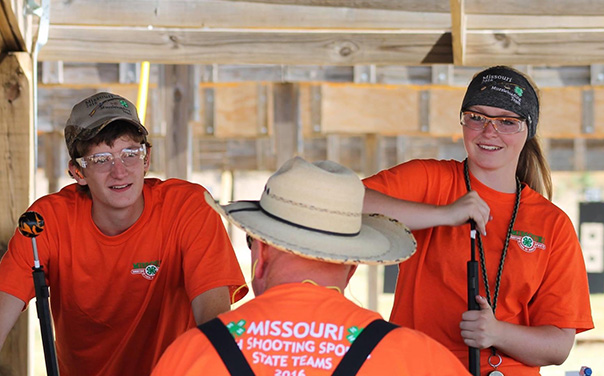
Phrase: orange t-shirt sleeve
{"type": "Point", "coordinates": [16, 265]}
{"type": "Point", "coordinates": [209, 260]}
{"type": "Point", "coordinates": [562, 299]}
{"type": "Point", "coordinates": [400, 181]}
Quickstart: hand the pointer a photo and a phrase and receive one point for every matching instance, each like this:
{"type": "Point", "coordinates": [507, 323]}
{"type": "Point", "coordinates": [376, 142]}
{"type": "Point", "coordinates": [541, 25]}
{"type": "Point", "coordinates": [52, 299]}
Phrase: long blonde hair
{"type": "Point", "coordinates": [533, 168]}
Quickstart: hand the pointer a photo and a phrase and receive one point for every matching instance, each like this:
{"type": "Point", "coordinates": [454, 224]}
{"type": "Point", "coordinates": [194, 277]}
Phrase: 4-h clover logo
{"type": "Point", "coordinates": [353, 333]}
{"type": "Point", "coordinates": [527, 241]}
{"type": "Point", "coordinates": [151, 270]}
{"type": "Point", "coordinates": [236, 329]}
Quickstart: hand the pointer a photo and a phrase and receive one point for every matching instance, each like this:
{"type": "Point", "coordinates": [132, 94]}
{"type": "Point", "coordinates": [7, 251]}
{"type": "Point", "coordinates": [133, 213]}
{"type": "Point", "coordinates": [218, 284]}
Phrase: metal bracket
{"type": "Point", "coordinates": [424, 110]}
{"type": "Point", "coordinates": [587, 115]}
{"type": "Point", "coordinates": [209, 109]}
{"type": "Point", "coordinates": [261, 109]}
{"type": "Point", "coordinates": [315, 108]}
{"type": "Point", "coordinates": [364, 74]}
{"type": "Point", "coordinates": [597, 74]}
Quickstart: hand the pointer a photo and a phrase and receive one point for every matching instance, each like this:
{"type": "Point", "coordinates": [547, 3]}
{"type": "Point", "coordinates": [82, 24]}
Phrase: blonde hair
{"type": "Point", "coordinates": [533, 168]}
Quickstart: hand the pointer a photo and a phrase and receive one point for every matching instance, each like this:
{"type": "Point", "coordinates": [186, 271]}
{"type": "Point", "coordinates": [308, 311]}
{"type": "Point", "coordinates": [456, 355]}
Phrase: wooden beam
{"type": "Point", "coordinates": [423, 6]}
{"type": "Point", "coordinates": [249, 14]}
{"type": "Point", "coordinates": [11, 36]}
{"type": "Point", "coordinates": [537, 7]}
{"type": "Point", "coordinates": [518, 22]}
{"type": "Point", "coordinates": [16, 176]}
{"type": "Point", "coordinates": [538, 47]}
{"type": "Point", "coordinates": [458, 30]}
{"type": "Point", "coordinates": [251, 46]}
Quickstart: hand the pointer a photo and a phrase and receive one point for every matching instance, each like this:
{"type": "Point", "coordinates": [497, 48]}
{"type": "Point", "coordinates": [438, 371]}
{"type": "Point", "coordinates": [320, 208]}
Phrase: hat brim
{"type": "Point", "coordinates": [381, 241]}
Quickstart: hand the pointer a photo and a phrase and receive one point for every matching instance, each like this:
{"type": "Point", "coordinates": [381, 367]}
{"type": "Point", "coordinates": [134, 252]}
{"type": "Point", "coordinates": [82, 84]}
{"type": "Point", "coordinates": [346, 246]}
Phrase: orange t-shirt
{"type": "Point", "coordinates": [299, 329]}
{"type": "Point", "coordinates": [544, 281]}
{"type": "Point", "coordinates": [119, 301]}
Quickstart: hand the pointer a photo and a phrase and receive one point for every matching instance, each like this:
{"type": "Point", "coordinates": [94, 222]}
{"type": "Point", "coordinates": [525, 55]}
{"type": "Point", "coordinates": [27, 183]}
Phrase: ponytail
{"type": "Point", "coordinates": [533, 168]}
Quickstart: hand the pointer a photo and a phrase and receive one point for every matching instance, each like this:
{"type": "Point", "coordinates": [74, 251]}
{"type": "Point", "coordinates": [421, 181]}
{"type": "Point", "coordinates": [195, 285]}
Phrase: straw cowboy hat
{"type": "Point", "coordinates": [314, 210]}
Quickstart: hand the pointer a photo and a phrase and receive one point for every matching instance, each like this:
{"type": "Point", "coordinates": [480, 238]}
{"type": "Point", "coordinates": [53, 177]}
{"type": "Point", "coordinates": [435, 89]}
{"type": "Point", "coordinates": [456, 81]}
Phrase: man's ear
{"type": "Point", "coordinates": [353, 269]}
{"type": "Point", "coordinates": [262, 260]}
{"type": "Point", "coordinates": [76, 173]}
{"type": "Point", "coordinates": [147, 160]}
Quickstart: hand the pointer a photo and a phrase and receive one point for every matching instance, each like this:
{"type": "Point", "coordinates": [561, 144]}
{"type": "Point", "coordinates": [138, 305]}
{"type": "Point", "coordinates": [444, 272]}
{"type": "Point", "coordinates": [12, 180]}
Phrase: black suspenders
{"type": "Point", "coordinates": [353, 360]}
{"type": "Point", "coordinates": [227, 348]}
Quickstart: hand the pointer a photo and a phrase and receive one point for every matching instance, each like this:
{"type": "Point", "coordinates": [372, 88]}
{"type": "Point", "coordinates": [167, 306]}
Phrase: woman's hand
{"type": "Point", "coordinates": [468, 207]}
{"type": "Point", "coordinates": [479, 328]}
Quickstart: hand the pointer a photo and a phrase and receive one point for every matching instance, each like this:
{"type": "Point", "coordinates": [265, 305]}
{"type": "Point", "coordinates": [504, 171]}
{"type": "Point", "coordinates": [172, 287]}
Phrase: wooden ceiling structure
{"type": "Point", "coordinates": [328, 32]}
{"type": "Point", "coordinates": [367, 82]}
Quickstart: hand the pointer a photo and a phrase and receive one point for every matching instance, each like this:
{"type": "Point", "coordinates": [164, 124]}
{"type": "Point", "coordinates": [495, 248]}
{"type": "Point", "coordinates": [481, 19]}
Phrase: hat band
{"type": "Point", "coordinates": [259, 207]}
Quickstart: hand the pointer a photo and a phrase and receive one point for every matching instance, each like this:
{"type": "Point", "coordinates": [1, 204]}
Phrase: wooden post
{"type": "Point", "coordinates": [16, 178]}
{"type": "Point", "coordinates": [371, 165]}
{"type": "Point", "coordinates": [176, 99]}
{"type": "Point", "coordinates": [287, 131]}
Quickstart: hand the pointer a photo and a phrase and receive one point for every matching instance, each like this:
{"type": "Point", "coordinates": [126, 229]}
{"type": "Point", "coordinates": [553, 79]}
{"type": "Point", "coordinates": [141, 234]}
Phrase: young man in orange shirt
{"type": "Point", "coordinates": [131, 262]}
{"type": "Point", "coordinates": [307, 235]}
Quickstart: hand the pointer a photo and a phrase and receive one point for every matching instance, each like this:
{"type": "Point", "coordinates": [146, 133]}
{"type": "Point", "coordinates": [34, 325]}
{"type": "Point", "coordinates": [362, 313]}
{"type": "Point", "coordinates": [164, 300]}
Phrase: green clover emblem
{"type": "Point", "coordinates": [527, 241]}
{"type": "Point", "coordinates": [353, 333]}
{"type": "Point", "coordinates": [123, 103]}
{"type": "Point", "coordinates": [518, 91]}
{"type": "Point", "coordinates": [151, 269]}
{"type": "Point", "coordinates": [236, 329]}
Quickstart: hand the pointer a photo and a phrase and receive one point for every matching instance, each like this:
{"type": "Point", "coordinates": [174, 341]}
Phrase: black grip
{"type": "Point", "coordinates": [43, 308]}
{"type": "Point", "coordinates": [474, 353]}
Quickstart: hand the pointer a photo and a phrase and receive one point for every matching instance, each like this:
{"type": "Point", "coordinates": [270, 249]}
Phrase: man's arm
{"type": "Point", "coordinates": [210, 304]}
{"type": "Point", "coordinates": [10, 309]}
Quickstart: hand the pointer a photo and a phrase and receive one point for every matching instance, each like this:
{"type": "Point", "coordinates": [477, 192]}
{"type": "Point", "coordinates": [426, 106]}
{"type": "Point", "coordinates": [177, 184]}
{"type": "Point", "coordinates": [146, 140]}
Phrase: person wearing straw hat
{"type": "Point", "coordinates": [307, 235]}
{"type": "Point", "coordinates": [131, 262]}
{"type": "Point", "coordinates": [533, 294]}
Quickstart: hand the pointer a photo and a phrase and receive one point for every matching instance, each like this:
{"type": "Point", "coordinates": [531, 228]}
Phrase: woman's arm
{"type": "Point", "coordinates": [532, 345]}
{"type": "Point", "coordinates": [418, 216]}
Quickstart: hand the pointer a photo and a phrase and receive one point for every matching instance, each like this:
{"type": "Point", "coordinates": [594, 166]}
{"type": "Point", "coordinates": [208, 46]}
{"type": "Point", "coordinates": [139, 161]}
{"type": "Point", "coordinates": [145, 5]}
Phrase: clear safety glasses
{"type": "Point", "coordinates": [504, 125]}
{"type": "Point", "coordinates": [102, 162]}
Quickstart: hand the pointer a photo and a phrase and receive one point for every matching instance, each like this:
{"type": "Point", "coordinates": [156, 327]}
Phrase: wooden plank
{"type": "Point", "coordinates": [424, 6]}
{"type": "Point", "coordinates": [537, 7]}
{"type": "Point", "coordinates": [236, 109]}
{"type": "Point", "coordinates": [556, 47]}
{"type": "Point", "coordinates": [251, 46]}
{"type": "Point", "coordinates": [364, 108]}
{"type": "Point", "coordinates": [532, 22]}
{"type": "Point", "coordinates": [10, 28]}
{"type": "Point", "coordinates": [246, 14]}
{"type": "Point", "coordinates": [16, 176]}
{"type": "Point", "coordinates": [445, 103]}
{"type": "Point", "coordinates": [561, 112]}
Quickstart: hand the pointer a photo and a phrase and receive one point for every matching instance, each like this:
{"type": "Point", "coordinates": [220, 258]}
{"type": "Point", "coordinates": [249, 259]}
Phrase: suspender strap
{"type": "Point", "coordinates": [227, 348]}
{"type": "Point", "coordinates": [362, 346]}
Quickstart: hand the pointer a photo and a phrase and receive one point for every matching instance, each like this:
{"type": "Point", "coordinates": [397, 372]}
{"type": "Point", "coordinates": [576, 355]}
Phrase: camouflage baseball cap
{"type": "Point", "coordinates": [91, 115]}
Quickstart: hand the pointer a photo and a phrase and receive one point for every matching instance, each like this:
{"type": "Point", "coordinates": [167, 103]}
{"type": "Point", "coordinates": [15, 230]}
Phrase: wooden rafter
{"type": "Point", "coordinates": [11, 38]}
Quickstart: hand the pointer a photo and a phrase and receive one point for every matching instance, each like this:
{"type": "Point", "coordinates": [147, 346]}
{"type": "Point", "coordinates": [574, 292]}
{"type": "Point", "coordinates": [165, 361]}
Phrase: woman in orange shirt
{"type": "Point", "coordinates": [533, 294]}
